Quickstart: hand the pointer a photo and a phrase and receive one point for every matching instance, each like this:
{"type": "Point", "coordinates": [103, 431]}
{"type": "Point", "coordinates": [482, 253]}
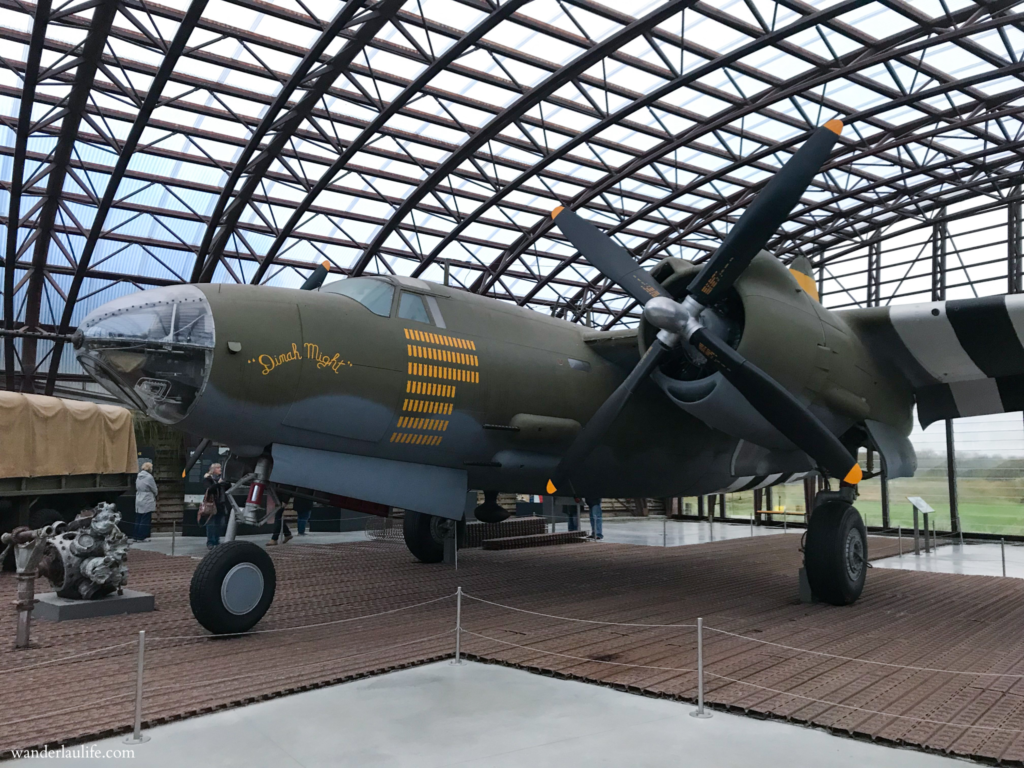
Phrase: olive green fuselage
{"type": "Point", "coordinates": [500, 390]}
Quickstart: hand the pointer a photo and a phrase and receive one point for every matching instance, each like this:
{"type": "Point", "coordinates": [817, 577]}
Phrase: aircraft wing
{"type": "Point", "coordinates": [963, 357]}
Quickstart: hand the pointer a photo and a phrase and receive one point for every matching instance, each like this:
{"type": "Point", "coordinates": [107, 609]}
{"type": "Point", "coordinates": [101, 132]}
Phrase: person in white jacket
{"type": "Point", "coordinates": [145, 502]}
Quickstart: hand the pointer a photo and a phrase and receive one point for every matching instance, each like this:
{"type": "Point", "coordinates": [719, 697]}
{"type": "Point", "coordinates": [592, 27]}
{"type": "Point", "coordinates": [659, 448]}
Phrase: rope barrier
{"type": "Point", "coordinates": [303, 626]}
{"type": "Point", "coordinates": [67, 658]}
{"type": "Point", "coordinates": [90, 703]}
{"type": "Point", "coordinates": [862, 709]}
{"type": "Point", "coordinates": [751, 639]}
{"type": "Point", "coordinates": [578, 658]}
{"type": "Point", "coordinates": [581, 621]}
{"type": "Point", "coordinates": [863, 661]}
{"type": "Point", "coordinates": [290, 667]}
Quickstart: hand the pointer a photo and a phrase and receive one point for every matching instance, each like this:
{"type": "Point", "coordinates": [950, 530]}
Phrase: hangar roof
{"type": "Point", "coordinates": [245, 141]}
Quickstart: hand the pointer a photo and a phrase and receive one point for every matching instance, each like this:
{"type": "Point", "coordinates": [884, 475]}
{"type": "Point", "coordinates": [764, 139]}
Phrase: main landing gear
{"type": "Point", "coordinates": [233, 587]}
{"type": "Point", "coordinates": [836, 548]}
{"type": "Point", "coordinates": [425, 535]}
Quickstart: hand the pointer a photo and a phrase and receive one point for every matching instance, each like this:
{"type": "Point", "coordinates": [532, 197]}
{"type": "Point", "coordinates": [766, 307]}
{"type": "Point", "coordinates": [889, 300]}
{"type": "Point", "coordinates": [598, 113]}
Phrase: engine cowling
{"type": "Point", "coordinates": [778, 327]}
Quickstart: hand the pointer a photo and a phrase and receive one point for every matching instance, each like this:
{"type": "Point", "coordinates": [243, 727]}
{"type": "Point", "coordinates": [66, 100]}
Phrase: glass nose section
{"type": "Point", "coordinates": [152, 350]}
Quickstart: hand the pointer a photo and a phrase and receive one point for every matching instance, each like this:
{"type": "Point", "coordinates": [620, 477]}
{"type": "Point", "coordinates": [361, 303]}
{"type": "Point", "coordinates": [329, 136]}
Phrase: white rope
{"type": "Point", "coordinates": [581, 621]}
{"type": "Point", "coordinates": [302, 626]}
{"type": "Point", "coordinates": [291, 667]}
{"type": "Point", "coordinates": [579, 658]}
{"type": "Point", "coordinates": [862, 709]}
{"type": "Point", "coordinates": [66, 658]}
{"type": "Point", "coordinates": [89, 704]}
{"type": "Point", "coordinates": [863, 661]}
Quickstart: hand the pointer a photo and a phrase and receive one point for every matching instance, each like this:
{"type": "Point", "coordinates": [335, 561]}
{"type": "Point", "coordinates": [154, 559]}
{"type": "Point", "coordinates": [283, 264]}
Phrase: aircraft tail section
{"type": "Point", "coordinates": [963, 357]}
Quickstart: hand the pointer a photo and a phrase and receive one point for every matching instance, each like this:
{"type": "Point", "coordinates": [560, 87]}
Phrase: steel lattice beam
{"type": "Point", "coordinates": [73, 109]}
{"type": "Point", "coordinates": [469, 40]}
{"type": "Point", "coordinates": [858, 60]}
{"type": "Point", "coordinates": [28, 93]}
{"type": "Point", "coordinates": [128, 147]}
{"type": "Point", "coordinates": [518, 108]}
{"type": "Point", "coordinates": [286, 125]}
{"type": "Point", "coordinates": [345, 17]}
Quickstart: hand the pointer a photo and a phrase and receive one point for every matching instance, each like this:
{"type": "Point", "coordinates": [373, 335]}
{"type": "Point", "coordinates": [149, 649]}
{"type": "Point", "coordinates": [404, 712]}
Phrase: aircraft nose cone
{"type": "Point", "coordinates": [152, 350]}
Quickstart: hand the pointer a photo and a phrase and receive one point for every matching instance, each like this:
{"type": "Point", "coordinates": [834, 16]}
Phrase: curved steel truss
{"type": "Point", "coordinates": [147, 144]}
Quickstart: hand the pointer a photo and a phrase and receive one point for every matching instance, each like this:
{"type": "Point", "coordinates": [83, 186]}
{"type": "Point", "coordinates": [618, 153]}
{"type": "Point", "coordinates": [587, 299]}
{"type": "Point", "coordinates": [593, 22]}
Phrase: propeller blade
{"type": "Point", "coordinates": [203, 445]}
{"type": "Point", "coordinates": [600, 422]}
{"type": "Point", "coordinates": [316, 277]}
{"type": "Point", "coordinates": [782, 410]}
{"type": "Point", "coordinates": [763, 217]}
{"type": "Point", "coordinates": [606, 256]}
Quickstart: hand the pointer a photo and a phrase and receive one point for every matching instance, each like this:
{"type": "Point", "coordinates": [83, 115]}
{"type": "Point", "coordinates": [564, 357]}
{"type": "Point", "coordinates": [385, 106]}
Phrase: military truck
{"type": "Point", "coordinates": [58, 457]}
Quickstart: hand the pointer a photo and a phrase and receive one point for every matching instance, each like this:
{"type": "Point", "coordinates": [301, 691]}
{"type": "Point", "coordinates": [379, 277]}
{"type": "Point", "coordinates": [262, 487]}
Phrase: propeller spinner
{"type": "Point", "coordinates": [680, 321]}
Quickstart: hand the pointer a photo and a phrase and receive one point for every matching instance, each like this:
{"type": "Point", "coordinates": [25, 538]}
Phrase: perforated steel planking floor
{"type": "Point", "coordinates": [744, 586]}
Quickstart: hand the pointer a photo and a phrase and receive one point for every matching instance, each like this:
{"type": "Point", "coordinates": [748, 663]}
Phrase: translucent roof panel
{"type": "Point", "coordinates": [146, 144]}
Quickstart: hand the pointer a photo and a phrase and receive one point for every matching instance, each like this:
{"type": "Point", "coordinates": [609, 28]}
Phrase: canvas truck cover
{"type": "Point", "coordinates": [42, 436]}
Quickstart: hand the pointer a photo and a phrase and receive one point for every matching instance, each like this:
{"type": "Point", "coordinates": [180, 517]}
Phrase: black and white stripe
{"type": "Point", "coordinates": [754, 482]}
{"type": "Point", "coordinates": [964, 357]}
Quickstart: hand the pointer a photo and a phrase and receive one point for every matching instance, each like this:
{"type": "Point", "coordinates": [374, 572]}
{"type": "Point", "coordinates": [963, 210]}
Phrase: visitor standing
{"type": "Point", "coordinates": [145, 502]}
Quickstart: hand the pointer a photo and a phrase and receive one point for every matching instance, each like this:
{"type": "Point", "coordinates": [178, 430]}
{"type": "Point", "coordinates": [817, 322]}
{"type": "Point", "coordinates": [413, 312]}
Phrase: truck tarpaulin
{"type": "Point", "coordinates": [49, 436]}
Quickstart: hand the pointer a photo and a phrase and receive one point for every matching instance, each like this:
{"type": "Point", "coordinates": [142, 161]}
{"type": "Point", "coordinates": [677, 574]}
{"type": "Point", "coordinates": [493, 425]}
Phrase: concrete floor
{"type": "Point", "coordinates": [978, 559]}
{"type": "Point", "coordinates": [480, 715]}
{"type": "Point", "coordinates": [658, 532]}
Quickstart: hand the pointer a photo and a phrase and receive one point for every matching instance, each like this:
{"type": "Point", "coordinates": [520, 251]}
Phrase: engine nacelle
{"type": "Point", "coordinates": [778, 327]}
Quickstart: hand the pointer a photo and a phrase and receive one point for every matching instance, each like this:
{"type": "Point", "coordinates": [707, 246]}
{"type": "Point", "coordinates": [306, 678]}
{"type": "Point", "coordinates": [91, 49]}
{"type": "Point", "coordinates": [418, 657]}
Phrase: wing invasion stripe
{"type": "Point", "coordinates": [929, 335]}
{"type": "Point", "coordinates": [976, 398]}
{"type": "Point", "coordinates": [985, 330]}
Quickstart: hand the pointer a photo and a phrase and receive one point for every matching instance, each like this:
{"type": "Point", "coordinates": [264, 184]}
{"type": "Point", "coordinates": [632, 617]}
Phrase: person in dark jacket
{"type": "Point", "coordinates": [303, 510]}
{"type": "Point", "coordinates": [216, 487]}
{"type": "Point", "coordinates": [145, 502]}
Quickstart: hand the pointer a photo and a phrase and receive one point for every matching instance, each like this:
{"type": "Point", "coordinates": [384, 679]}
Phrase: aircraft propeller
{"type": "Point", "coordinates": [679, 321]}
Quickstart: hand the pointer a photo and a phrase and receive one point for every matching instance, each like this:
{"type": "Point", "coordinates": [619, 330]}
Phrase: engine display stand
{"type": "Point", "coordinates": [50, 607]}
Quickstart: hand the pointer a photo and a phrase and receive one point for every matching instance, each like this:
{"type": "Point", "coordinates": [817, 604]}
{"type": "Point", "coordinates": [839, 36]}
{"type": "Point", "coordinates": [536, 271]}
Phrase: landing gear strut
{"type": "Point", "coordinates": [836, 549]}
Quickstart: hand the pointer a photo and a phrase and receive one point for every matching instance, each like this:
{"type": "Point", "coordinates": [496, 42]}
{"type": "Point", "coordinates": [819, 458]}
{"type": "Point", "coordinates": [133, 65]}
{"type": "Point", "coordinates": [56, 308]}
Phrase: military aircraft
{"type": "Point", "coordinates": [410, 394]}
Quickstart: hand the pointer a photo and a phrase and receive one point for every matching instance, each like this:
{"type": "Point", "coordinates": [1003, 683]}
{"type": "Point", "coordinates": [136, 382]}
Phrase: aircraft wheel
{"type": "Point", "coordinates": [836, 553]}
{"type": "Point", "coordinates": [425, 535]}
{"type": "Point", "coordinates": [233, 587]}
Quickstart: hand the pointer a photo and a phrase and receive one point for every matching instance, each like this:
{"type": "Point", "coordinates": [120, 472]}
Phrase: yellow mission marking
{"type": "Point", "coordinates": [442, 372]}
{"type": "Point", "coordinates": [427, 406]}
{"type": "Point", "coordinates": [429, 388]}
{"type": "Point", "coordinates": [410, 439]}
{"type": "Point", "coordinates": [443, 355]}
{"type": "Point", "coordinates": [431, 425]}
{"type": "Point", "coordinates": [439, 340]}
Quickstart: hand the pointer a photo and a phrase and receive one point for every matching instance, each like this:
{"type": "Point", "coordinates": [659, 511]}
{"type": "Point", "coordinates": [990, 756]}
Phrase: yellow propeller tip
{"type": "Point", "coordinates": [557, 211]}
{"type": "Point", "coordinates": [551, 486]}
{"type": "Point", "coordinates": [836, 126]}
{"type": "Point", "coordinates": [854, 476]}
{"type": "Point", "coordinates": [183, 473]}
{"type": "Point", "coordinates": [326, 265]}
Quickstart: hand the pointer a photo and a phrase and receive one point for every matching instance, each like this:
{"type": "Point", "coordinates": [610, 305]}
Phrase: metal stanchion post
{"type": "Point", "coordinates": [664, 532]}
{"type": "Point", "coordinates": [174, 535]}
{"type": "Point", "coordinates": [751, 523]}
{"type": "Point", "coordinates": [927, 540]}
{"type": "Point", "coordinates": [1002, 552]}
{"type": "Point", "coordinates": [138, 737]}
{"type": "Point", "coordinates": [699, 712]}
{"type": "Point", "coordinates": [458, 626]}
{"type": "Point", "coordinates": [917, 540]}
{"type": "Point", "coordinates": [899, 537]}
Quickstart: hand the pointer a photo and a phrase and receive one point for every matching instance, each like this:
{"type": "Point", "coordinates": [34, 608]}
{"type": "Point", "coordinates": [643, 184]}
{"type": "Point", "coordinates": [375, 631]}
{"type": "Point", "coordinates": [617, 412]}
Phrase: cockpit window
{"type": "Point", "coordinates": [410, 307]}
{"type": "Point", "coordinates": [375, 295]}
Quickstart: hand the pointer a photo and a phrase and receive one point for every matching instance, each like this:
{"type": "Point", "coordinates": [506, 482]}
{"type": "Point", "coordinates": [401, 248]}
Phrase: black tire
{"type": "Point", "coordinates": [836, 553]}
{"type": "Point", "coordinates": [423, 536]}
{"type": "Point", "coordinates": [212, 604]}
{"type": "Point", "coordinates": [38, 518]}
